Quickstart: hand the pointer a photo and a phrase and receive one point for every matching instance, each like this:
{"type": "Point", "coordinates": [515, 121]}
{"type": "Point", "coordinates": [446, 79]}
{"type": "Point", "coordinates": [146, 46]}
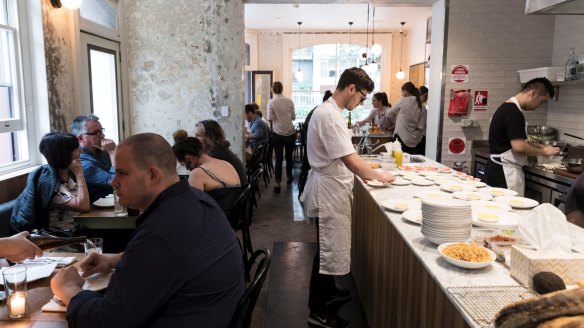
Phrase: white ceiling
{"type": "Point", "coordinates": [322, 17]}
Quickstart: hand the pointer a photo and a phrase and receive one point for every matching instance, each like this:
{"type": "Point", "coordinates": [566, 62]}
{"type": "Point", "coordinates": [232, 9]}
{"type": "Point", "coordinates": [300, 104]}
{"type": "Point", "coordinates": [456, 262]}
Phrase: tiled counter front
{"type": "Point", "coordinates": [401, 278]}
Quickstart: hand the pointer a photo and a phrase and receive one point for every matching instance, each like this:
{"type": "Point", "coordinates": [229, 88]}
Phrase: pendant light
{"type": "Point", "coordinates": [365, 55]}
{"type": "Point", "coordinates": [375, 48]}
{"type": "Point", "coordinates": [298, 74]}
{"type": "Point", "coordinates": [400, 75]}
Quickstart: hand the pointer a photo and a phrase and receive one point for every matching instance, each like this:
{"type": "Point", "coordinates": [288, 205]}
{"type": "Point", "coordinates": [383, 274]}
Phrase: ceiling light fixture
{"type": "Point", "coordinates": [69, 4]}
{"type": "Point", "coordinates": [400, 75]}
{"type": "Point", "coordinates": [365, 55]}
{"type": "Point", "coordinates": [350, 25]}
{"type": "Point", "coordinates": [375, 48]}
{"type": "Point", "coordinates": [298, 74]}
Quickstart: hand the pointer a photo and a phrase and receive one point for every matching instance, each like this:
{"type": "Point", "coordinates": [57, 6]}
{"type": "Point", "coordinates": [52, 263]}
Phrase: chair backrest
{"type": "Point", "coordinates": [256, 158]}
{"type": "Point", "coordinates": [237, 215]}
{"type": "Point", "coordinates": [255, 177]}
{"type": "Point", "coordinates": [246, 304]}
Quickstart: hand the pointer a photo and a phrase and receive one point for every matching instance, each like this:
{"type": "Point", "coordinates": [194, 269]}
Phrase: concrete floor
{"type": "Point", "coordinates": [278, 224]}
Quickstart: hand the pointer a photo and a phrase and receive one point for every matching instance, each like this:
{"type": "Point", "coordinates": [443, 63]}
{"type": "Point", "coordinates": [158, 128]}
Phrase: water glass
{"type": "Point", "coordinates": [15, 286]}
{"type": "Point", "coordinates": [93, 245]}
{"type": "Point", "coordinates": [119, 210]}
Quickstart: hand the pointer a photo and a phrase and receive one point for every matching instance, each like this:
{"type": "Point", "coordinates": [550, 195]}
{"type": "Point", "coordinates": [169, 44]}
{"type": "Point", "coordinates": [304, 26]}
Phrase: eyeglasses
{"type": "Point", "coordinates": [100, 131]}
{"type": "Point", "coordinates": [363, 96]}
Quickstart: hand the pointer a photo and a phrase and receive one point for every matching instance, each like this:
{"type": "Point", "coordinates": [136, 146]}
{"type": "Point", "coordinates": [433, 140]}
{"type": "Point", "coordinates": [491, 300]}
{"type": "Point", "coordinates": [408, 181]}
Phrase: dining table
{"type": "Point", "coordinates": [102, 222]}
{"type": "Point", "coordinates": [39, 293]}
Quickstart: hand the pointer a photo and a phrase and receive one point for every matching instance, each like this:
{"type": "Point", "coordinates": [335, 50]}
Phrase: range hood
{"type": "Point", "coordinates": [554, 7]}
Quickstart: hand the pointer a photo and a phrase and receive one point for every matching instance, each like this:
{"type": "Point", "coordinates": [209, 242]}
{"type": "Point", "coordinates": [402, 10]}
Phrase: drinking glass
{"type": "Point", "coordinates": [93, 245]}
{"type": "Point", "coordinates": [15, 286]}
{"type": "Point", "coordinates": [119, 210]}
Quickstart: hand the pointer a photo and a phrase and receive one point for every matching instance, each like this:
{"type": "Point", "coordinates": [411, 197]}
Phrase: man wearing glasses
{"type": "Point", "coordinates": [96, 155]}
{"type": "Point", "coordinates": [329, 193]}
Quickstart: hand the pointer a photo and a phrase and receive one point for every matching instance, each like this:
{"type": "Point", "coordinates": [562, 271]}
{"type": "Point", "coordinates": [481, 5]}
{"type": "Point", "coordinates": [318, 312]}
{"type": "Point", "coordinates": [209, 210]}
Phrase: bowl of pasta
{"type": "Point", "coordinates": [467, 255]}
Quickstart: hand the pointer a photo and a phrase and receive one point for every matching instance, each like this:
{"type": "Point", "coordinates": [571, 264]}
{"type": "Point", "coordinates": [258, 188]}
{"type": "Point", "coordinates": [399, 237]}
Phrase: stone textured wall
{"type": "Point", "coordinates": [185, 63]}
{"type": "Point", "coordinates": [59, 64]}
{"type": "Point", "coordinates": [495, 38]}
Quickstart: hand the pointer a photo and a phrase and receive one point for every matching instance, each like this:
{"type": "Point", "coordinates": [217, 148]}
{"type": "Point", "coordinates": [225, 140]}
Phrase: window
{"type": "Point", "coordinates": [322, 66]}
{"type": "Point", "coordinates": [13, 137]}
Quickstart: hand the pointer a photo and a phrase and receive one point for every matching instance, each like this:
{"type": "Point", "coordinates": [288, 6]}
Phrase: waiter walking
{"type": "Point", "coordinates": [329, 193]}
{"type": "Point", "coordinates": [507, 138]}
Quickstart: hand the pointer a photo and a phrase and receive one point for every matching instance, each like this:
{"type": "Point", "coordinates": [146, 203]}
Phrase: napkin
{"type": "Point", "coordinates": [54, 305]}
{"type": "Point", "coordinates": [546, 229]}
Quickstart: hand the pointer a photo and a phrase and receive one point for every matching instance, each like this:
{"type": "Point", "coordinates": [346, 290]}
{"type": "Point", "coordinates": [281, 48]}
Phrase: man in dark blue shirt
{"type": "Point", "coordinates": [96, 155]}
{"type": "Point", "coordinates": [182, 267]}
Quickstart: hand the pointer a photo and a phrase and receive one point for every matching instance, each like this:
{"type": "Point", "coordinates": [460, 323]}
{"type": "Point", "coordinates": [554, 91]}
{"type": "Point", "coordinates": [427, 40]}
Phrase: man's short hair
{"type": "Point", "coordinates": [356, 76]}
{"type": "Point", "coordinates": [79, 126]}
{"type": "Point", "coordinates": [541, 85]}
{"type": "Point", "coordinates": [151, 149]}
{"type": "Point", "coordinates": [277, 87]}
{"type": "Point", "coordinates": [249, 108]}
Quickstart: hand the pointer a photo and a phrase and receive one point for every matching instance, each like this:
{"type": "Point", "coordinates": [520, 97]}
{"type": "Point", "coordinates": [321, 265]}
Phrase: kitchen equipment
{"type": "Point", "coordinates": [573, 136]}
{"type": "Point", "coordinates": [573, 165]}
{"type": "Point", "coordinates": [554, 7]}
{"type": "Point", "coordinates": [546, 130]}
{"type": "Point", "coordinates": [532, 129]}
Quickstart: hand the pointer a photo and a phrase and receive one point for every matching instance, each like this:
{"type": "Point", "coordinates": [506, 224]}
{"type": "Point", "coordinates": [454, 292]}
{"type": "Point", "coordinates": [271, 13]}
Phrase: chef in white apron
{"type": "Point", "coordinates": [508, 127]}
{"type": "Point", "coordinates": [328, 193]}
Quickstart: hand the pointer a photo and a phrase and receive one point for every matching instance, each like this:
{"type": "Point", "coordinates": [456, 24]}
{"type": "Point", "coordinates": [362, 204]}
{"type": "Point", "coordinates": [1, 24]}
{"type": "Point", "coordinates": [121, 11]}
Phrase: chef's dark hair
{"type": "Point", "coordinates": [356, 76]}
{"type": "Point", "coordinates": [413, 91]}
{"type": "Point", "coordinates": [542, 85]}
{"type": "Point", "coordinates": [57, 148]}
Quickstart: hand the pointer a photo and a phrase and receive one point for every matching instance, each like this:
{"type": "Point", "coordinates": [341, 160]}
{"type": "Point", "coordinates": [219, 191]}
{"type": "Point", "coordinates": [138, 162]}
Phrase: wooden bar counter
{"type": "Point", "coordinates": [400, 276]}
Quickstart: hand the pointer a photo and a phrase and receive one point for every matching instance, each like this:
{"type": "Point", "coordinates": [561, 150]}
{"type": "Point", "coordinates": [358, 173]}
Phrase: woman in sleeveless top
{"type": "Point", "coordinates": [216, 177]}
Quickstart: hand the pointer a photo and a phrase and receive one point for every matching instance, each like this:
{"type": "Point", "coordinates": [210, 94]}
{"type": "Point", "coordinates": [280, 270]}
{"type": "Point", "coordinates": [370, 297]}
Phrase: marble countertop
{"type": "Point", "coordinates": [445, 274]}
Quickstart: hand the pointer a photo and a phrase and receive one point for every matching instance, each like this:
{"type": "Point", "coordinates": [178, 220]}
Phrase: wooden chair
{"type": "Point", "coordinates": [240, 219]}
{"type": "Point", "coordinates": [246, 304]}
{"type": "Point", "coordinates": [255, 188]}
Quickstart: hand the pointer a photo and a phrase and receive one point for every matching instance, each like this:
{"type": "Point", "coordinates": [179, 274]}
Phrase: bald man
{"type": "Point", "coordinates": [183, 265]}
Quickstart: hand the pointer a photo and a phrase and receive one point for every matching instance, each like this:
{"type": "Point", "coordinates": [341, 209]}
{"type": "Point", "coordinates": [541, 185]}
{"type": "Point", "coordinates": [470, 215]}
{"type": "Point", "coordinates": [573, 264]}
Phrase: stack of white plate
{"type": "Point", "coordinates": [446, 220]}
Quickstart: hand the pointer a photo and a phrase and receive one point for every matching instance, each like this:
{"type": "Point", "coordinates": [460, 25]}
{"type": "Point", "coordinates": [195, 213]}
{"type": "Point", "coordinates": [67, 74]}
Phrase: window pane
{"type": "Point", "coordinates": [100, 12]}
{"type": "Point", "coordinates": [14, 147]}
{"type": "Point", "coordinates": [104, 91]}
{"type": "Point", "coordinates": [7, 65]}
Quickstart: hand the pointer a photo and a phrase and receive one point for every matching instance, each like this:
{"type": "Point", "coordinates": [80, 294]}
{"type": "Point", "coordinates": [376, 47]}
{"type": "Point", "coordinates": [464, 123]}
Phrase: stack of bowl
{"type": "Point", "coordinates": [446, 220]}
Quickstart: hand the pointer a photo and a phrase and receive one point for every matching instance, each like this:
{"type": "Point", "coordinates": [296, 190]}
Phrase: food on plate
{"type": "Point", "coordinates": [402, 206]}
{"type": "Point", "coordinates": [516, 202]}
{"type": "Point", "coordinates": [497, 192]}
{"type": "Point", "coordinates": [488, 217]}
{"type": "Point", "coordinates": [546, 282]}
{"type": "Point", "coordinates": [533, 311]}
{"type": "Point", "coordinates": [564, 322]}
{"type": "Point", "coordinates": [375, 166]}
{"type": "Point", "coordinates": [467, 252]}
{"type": "Point", "coordinates": [499, 238]}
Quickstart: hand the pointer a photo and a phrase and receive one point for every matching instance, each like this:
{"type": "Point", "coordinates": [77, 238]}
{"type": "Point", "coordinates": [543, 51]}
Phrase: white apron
{"type": "Point", "coordinates": [328, 195]}
{"type": "Point", "coordinates": [513, 164]}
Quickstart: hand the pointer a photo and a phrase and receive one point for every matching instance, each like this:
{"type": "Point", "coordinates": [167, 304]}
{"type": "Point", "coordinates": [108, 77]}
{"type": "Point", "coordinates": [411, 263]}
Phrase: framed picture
{"type": "Point", "coordinates": [429, 30]}
{"type": "Point", "coordinates": [261, 88]}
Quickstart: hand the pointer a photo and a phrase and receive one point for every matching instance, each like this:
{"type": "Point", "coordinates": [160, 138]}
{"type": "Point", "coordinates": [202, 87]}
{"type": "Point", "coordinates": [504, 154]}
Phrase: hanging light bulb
{"type": "Point", "coordinates": [373, 67]}
{"type": "Point", "coordinates": [365, 55]}
{"type": "Point", "coordinates": [375, 48]}
{"type": "Point", "coordinates": [401, 75]}
{"type": "Point", "coordinates": [298, 74]}
{"type": "Point", "coordinates": [71, 4]}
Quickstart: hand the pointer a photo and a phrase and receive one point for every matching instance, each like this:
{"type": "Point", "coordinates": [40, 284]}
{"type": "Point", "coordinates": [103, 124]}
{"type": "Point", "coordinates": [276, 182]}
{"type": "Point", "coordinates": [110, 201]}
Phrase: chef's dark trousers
{"type": "Point", "coordinates": [322, 286]}
{"type": "Point", "coordinates": [280, 144]}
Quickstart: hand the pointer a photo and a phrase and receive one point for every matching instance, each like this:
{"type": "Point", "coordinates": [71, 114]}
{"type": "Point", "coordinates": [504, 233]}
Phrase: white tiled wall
{"type": "Point", "coordinates": [495, 38]}
{"type": "Point", "coordinates": [567, 114]}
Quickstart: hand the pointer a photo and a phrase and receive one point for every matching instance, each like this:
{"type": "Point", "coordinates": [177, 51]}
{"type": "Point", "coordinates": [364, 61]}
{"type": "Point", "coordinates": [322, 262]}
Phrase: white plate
{"type": "Point", "coordinates": [496, 192]}
{"type": "Point", "coordinates": [34, 271]}
{"type": "Point", "coordinates": [107, 201]}
{"type": "Point", "coordinates": [472, 195]}
{"type": "Point", "coordinates": [377, 184]}
{"type": "Point", "coordinates": [489, 205]}
{"type": "Point", "coordinates": [476, 184]}
{"type": "Point", "coordinates": [494, 219]}
{"type": "Point", "coordinates": [400, 182]}
{"type": "Point", "coordinates": [517, 202]}
{"type": "Point", "coordinates": [422, 182]}
{"type": "Point", "coordinates": [432, 194]}
{"type": "Point", "coordinates": [414, 216]}
{"type": "Point", "coordinates": [466, 264]}
{"type": "Point", "coordinates": [454, 187]}
{"type": "Point", "coordinates": [401, 205]}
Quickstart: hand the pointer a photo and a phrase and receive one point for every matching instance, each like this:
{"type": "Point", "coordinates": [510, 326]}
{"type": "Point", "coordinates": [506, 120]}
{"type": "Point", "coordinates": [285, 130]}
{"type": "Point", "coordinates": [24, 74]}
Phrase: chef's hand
{"type": "Point", "coordinates": [67, 283]}
{"type": "Point", "coordinates": [550, 150]}
{"type": "Point", "coordinates": [385, 177]}
{"type": "Point", "coordinates": [108, 145]}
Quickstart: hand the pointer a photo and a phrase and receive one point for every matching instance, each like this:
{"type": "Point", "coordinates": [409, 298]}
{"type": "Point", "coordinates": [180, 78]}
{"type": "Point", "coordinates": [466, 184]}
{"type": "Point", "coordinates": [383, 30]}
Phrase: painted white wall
{"type": "Point", "coordinates": [416, 44]}
{"type": "Point", "coordinates": [251, 38]}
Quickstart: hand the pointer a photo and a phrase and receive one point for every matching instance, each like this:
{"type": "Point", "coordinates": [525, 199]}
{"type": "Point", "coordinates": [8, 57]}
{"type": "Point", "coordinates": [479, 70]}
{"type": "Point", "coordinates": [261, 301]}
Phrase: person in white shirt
{"type": "Point", "coordinates": [410, 124]}
{"type": "Point", "coordinates": [281, 115]}
{"type": "Point", "coordinates": [329, 193]}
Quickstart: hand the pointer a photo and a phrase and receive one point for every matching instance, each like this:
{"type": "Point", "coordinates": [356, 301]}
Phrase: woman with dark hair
{"type": "Point", "coordinates": [216, 177]}
{"type": "Point", "coordinates": [212, 137]}
{"type": "Point", "coordinates": [55, 192]}
{"type": "Point", "coordinates": [377, 115]}
{"type": "Point", "coordinates": [410, 124]}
